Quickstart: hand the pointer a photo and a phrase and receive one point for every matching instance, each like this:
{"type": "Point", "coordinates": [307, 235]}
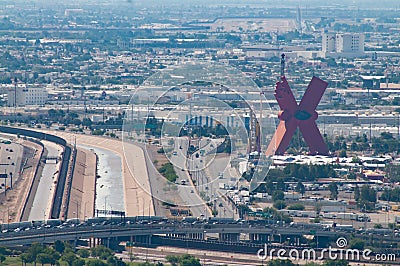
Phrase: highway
{"type": "Point", "coordinates": [221, 174]}
{"type": "Point", "coordinates": [108, 230]}
{"type": "Point", "coordinates": [44, 195]}
{"type": "Point", "coordinates": [11, 156]}
{"type": "Point", "coordinates": [186, 188]}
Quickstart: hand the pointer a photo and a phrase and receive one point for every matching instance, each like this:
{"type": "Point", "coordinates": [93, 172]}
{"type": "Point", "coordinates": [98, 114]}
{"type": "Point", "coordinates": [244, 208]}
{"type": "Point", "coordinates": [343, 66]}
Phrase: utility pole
{"type": "Point", "coordinates": [15, 97]}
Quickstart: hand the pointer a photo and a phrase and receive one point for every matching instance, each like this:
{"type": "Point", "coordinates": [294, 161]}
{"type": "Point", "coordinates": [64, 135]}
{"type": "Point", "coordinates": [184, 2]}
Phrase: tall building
{"type": "Point", "coordinates": [329, 43]}
{"type": "Point", "coordinates": [23, 95]}
{"type": "Point", "coordinates": [343, 44]}
{"type": "Point", "coordinates": [350, 43]}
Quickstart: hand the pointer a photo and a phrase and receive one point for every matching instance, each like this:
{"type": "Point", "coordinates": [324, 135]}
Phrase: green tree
{"type": "Point", "coordinates": [78, 262]}
{"type": "Point", "coordinates": [188, 260]}
{"type": "Point", "coordinates": [367, 197]}
{"type": "Point", "coordinates": [59, 246]}
{"type": "Point", "coordinates": [378, 226]}
{"type": "Point", "coordinates": [96, 262]}
{"type": "Point", "coordinates": [300, 188]}
{"type": "Point", "coordinates": [336, 263]}
{"type": "Point", "coordinates": [280, 263]}
{"type": "Point", "coordinates": [2, 259]}
{"type": "Point", "coordinates": [357, 193]}
{"type": "Point", "coordinates": [33, 252]}
{"type": "Point", "coordinates": [69, 258]}
{"type": "Point", "coordinates": [174, 260]}
{"type": "Point", "coordinates": [101, 252]}
{"type": "Point", "coordinates": [333, 188]}
{"type": "Point", "coordinates": [279, 204]}
{"type": "Point", "coordinates": [83, 253]}
{"type": "Point", "coordinates": [44, 258]}
{"type": "Point", "coordinates": [27, 258]}
{"type": "Point", "coordinates": [356, 243]}
{"type": "Point", "coordinates": [297, 206]}
{"type": "Point", "coordinates": [278, 195]}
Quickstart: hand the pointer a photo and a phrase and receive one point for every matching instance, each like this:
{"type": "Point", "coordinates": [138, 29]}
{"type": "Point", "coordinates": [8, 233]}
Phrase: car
{"type": "Point", "coordinates": [192, 191]}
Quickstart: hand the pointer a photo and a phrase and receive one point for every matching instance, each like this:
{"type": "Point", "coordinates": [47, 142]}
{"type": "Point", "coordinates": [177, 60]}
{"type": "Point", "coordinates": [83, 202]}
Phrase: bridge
{"type": "Point", "coordinates": [142, 233]}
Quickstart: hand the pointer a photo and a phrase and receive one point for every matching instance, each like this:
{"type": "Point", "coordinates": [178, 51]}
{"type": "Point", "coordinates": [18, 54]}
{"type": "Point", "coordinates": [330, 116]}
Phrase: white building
{"type": "Point", "coordinates": [329, 43]}
{"type": "Point", "coordinates": [24, 95]}
{"type": "Point", "coordinates": [350, 43]}
{"type": "Point", "coordinates": [343, 44]}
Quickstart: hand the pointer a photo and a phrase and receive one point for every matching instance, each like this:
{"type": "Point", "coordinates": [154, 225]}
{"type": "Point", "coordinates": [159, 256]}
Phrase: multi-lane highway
{"type": "Point", "coordinates": [186, 188]}
{"type": "Point", "coordinates": [44, 195]}
{"type": "Point", "coordinates": [143, 227]}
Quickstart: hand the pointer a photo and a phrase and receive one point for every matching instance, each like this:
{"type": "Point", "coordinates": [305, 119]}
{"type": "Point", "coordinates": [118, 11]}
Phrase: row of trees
{"type": "Point", "coordinates": [61, 251]}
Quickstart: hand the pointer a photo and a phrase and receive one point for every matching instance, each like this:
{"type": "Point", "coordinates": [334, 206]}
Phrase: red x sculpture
{"type": "Point", "coordinates": [302, 116]}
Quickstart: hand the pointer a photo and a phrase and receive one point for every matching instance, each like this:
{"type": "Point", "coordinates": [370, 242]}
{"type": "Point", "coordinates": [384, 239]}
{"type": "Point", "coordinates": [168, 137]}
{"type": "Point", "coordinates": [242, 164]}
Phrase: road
{"type": "Point", "coordinates": [42, 202]}
{"type": "Point", "coordinates": [11, 160]}
{"type": "Point", "coordinates": [186, 188]}
{"type": "Point", "coordinates": [208, 170]}
{"type": "Point", "coordinates": [222, 175]}
{"type": "Point", "coordinates": [196, 186]}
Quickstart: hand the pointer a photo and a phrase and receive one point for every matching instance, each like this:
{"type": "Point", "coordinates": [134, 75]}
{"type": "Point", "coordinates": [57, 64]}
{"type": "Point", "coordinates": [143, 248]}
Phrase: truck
{"type": "Point", "coordinates": [53, 222]}
{"type": "Point", "coordinates": [347, 216]}
{"type": "Point", "coordinates": [345, 227]}
{"type": "Point", "coordinates": [333, 208]}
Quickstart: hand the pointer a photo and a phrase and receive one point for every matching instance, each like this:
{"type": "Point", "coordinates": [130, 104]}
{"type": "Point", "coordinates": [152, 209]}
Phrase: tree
{"type": "Point", "coordinates": [189, 260]}
{"type": "Point", "coordinates": [33, 251]}
{"type": "Point", "coordinates": [333, 188]}
{"type": "Point", "coordinates": [357, 193]}
{"type": "Point", "coordinates": [59, 246]}
{"type": "Point", "coordinates": [336, 263]}
{"type": "Point", "coordinates": [280, 263]}
{"type": "Point", "coordinates": [96, 262]}
{"type": "Point", "coordinates": [69, 258]}
{"type": "Point", "coordinates": [278, 195]}
{"type": "Point", "coordinates": [356, 243]}
{"type": "Point", "coordinates": [367, 196]}
{"type": "Point", "coordinates": [44, 258]}
{"type": "Point", "coordinates": [378, 226]}
{"type": "Point", "coordinates": [27, 258]}
{"type": "Point", "coordinates": [78, 262]}
{"type": "Point", "coordinates": [83, 253]}
{"type": "Point", "coordinates": [2, 259]}
{"type": "Point", "coordinates": [174, 260]}
{"type": "Point", "coordinates": [300, 188]}
{"type": "Point", "coordinates": [279, 204]}
{"type": "Point", "coordinates": [101, 252]}
{"type": "Point", "coordinates": [297, 206]}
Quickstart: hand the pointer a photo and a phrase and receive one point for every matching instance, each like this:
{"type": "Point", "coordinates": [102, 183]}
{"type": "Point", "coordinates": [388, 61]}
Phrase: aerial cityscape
{"type": "Point", "coordinates": [200, 132]}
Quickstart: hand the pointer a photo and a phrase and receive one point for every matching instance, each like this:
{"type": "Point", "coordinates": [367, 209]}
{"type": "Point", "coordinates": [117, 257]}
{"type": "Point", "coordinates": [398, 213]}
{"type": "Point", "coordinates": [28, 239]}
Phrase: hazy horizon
{"type": "Point", "coordinates": [383, 4]}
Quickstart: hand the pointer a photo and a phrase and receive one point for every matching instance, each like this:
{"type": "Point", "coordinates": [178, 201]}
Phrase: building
{"type": "Point", "coordinates": [343, 44]}
{"type": "Point", "coordinates": [23, 95]}
{"type": "Point", "coordinates": [329, 43]}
